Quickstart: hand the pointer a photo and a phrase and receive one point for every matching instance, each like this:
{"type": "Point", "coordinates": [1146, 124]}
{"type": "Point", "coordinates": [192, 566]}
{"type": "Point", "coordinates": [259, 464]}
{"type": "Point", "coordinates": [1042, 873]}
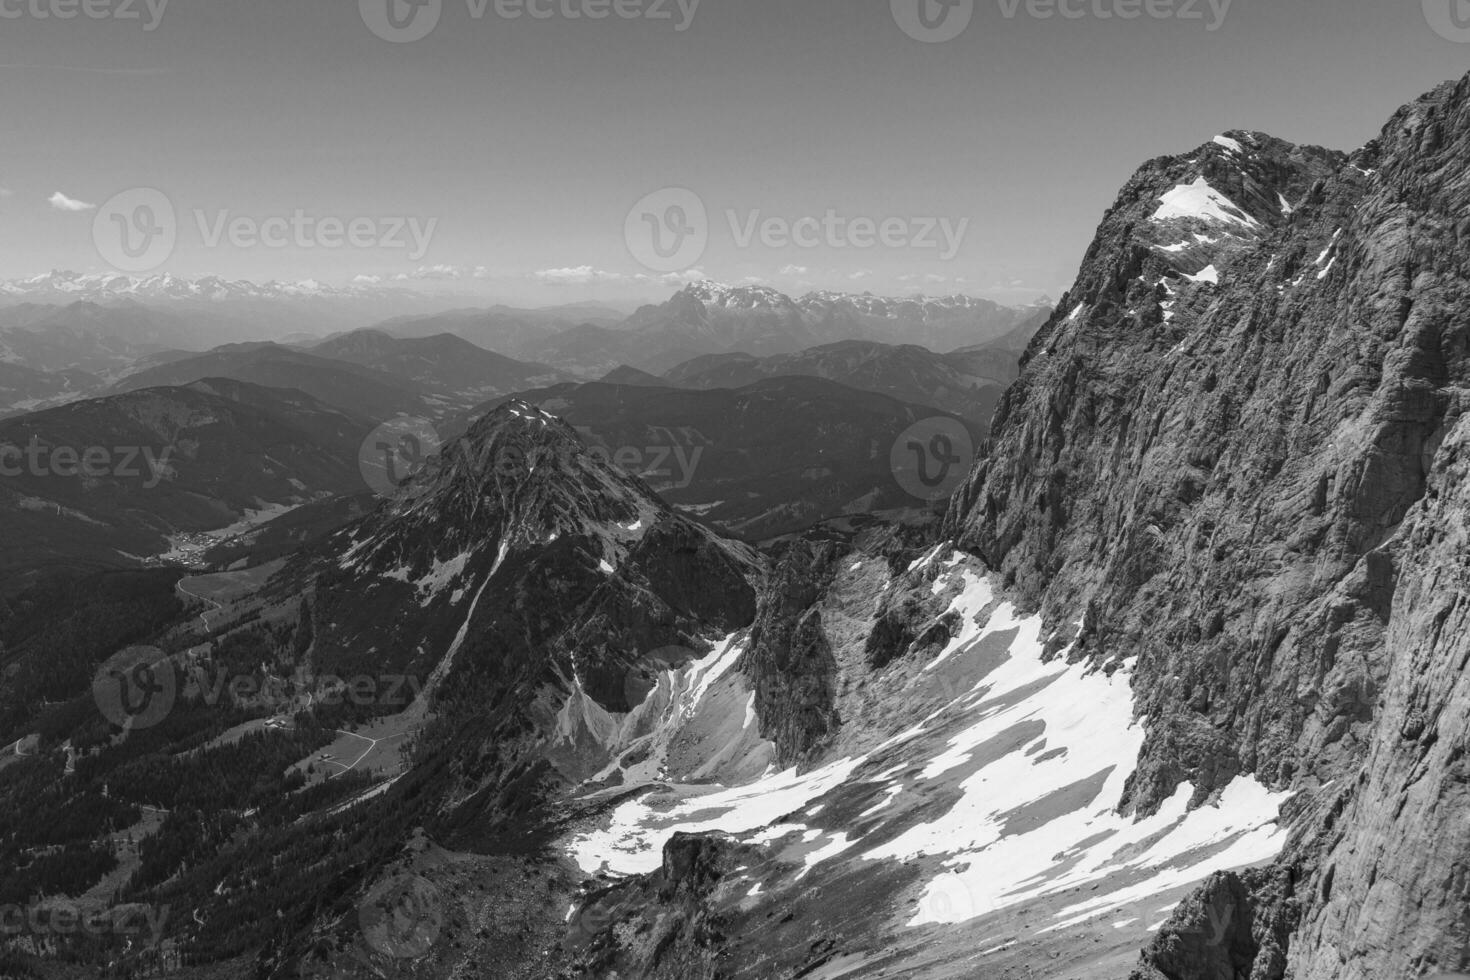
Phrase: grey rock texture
{"type": "Point", "coordinates": [1391, 892]}
{"type": "Point", "coordinates": [1236, 927]}
{"type": "Point", "coordinates": [1239, 445]}
{"type": "Point", "coordinates": [790, 660]}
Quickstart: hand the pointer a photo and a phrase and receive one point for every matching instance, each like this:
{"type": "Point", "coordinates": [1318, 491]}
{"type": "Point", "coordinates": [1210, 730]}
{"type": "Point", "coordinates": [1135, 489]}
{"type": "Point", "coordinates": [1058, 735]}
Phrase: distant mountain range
{"type": "Point", "coordinates": [218, 311]}
{"type": "Point", "coordinates": [363, 391]}
{"type": "Point", "coordinates": [60, 286]}
{"type": "Point", "coordinates": [966, 384]}
{"type": "Point", "coordinates": [711, 318]}
{"type": "Point", "coordinates": [770, 458]}
{"type": "Point", "coordinates": [446, 365]}
{"type": "Point", "coordinates": [67, 336]}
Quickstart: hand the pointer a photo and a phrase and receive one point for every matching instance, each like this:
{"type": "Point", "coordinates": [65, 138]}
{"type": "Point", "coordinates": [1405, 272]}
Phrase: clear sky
{"type": "Point", "coordinates": [519, 147]}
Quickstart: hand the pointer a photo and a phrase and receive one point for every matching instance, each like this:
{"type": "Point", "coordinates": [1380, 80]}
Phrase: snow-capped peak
{"type": "Point", "coordinates": [717, 295]}
{"type": "Point", "coordinates": [100, 287]}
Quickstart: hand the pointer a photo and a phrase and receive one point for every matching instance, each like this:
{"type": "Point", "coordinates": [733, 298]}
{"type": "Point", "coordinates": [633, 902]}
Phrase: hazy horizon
{"type": "Point", "coordinates": [515, 159]}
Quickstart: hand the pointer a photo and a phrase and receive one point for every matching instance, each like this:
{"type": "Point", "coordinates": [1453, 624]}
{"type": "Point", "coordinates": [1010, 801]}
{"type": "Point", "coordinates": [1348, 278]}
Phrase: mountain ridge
{"type": "Point", "coordinates": [1249, 446]}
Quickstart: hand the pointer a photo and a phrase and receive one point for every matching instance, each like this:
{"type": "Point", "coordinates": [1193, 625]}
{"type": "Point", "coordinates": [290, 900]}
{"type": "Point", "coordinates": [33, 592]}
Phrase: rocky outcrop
{"type": "Point", "coordinates": [1236, 927]}
{"type": "Point", "coordinates": [1240, 453]}
{"type": "Point", "coordinates": [789, 660]}
{"type": "Point", "coordinates": [668, 925]}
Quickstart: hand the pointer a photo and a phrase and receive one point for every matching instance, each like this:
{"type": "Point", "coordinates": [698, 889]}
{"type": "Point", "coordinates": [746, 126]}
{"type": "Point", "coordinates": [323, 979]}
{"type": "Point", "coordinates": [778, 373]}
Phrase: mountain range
{"type": "Point", "coordinates": [967, 384]}
{"type": "Point", "coordinates": [118, 326]}
{"type": "Point", "coordinates": [757, 461]}
{"type": "Point", "coordinates": [1174, 689]}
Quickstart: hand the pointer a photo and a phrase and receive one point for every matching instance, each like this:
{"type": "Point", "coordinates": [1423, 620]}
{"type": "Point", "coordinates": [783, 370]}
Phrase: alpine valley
{"type": "Point", "coordinates": [1174, 687]}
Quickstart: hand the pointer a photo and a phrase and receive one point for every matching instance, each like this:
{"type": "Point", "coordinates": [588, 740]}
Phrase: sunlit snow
{"type": "Point", "coordinates": [1030, 755]}
{"type": "Point", "coordinates": [1200, 200]}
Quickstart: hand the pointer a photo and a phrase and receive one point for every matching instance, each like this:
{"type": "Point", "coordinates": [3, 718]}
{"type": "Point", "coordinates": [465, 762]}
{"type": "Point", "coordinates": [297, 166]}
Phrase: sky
{"type": "Point", "coordinates": [565, 157]}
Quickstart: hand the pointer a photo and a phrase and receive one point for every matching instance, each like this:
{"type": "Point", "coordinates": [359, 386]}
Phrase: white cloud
{"type": "Point", "coordinates": [443, 272]}
{"type": "Point", "coordinates": [581, 275]}
{"type": "Point", "coordinates": [860, 275]}
{"type": "Point", "coordinates": [6, 192]}
{"type": "Point", "coordinates": [366, 280]}
{"type": "Point", "coordinates": [586, 275]}
{"type": "Point", "coordinates": [794, 270]}
{"type": "Point", "coordinates": [684, 278]}
{"type": "Point", "coordinates": [61, 202]}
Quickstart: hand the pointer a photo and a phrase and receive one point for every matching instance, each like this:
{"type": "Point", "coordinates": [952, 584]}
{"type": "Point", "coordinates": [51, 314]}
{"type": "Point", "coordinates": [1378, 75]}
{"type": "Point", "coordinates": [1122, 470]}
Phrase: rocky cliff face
{"type": "Point", "coordinates": [1239, 446]}
{"type": "Point", "coordinates": [1389, 887]}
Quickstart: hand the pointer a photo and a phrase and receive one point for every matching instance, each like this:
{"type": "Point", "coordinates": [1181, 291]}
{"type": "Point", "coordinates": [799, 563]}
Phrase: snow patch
{"type": "Point", "coordinates": [633, 842]}
{"type": "Point", "coordinates": [1200, 200]}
